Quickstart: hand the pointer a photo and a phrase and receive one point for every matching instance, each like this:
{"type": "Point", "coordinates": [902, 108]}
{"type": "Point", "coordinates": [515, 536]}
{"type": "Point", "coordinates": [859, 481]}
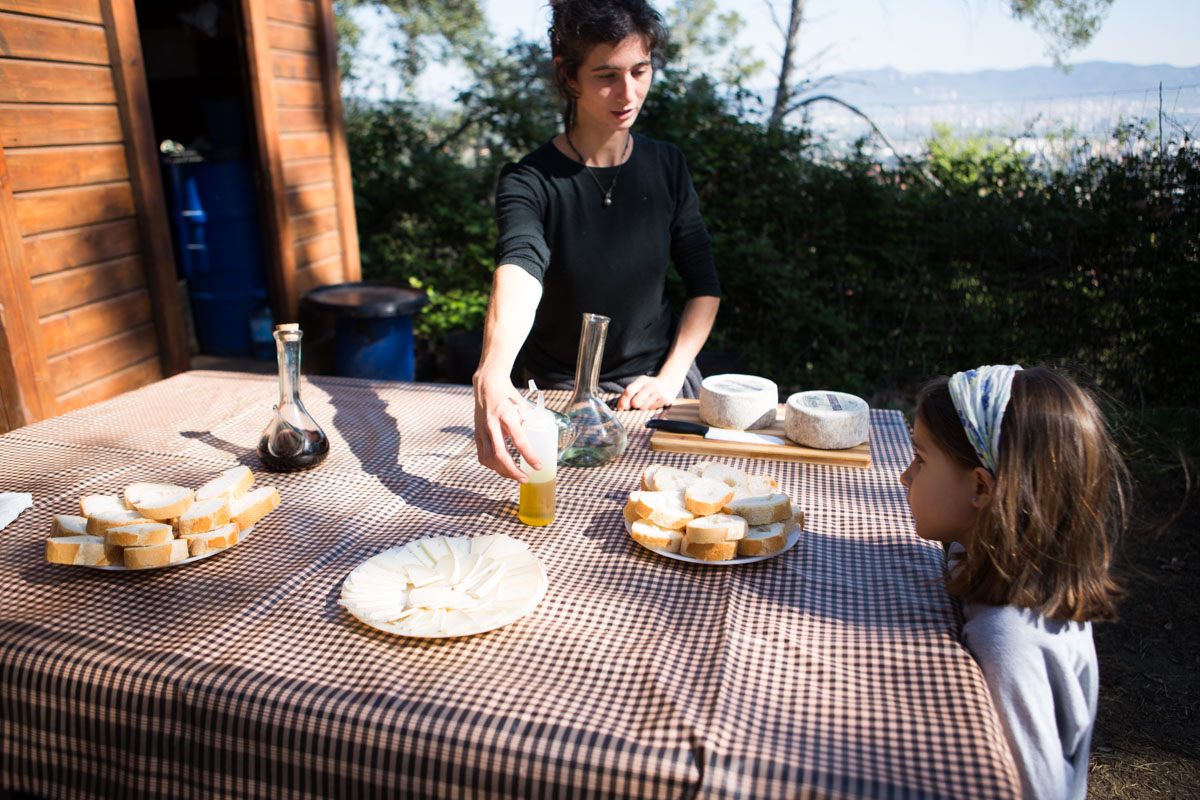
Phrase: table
{"type": "Point", "coordinates": [833, 670]}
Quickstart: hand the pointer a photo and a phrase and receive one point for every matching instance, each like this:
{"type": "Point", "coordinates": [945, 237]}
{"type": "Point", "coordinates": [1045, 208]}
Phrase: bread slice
{"type": "Point", "coordinates": [164, 502]}
{"type": "Point", "coordinates": [761, 509]}
{"type": "Point", "coordinates": [139, 535]}
{"type": "Point", "coordinates": [729, 475]}
{"type": "Point", "coordinates": [797, 517]}
{"type": "Point", "coordinates": [668, 479]}
{"type": "Point", "coordinates": [231, 484]}
{"type": "Point", "coordinates": [699, 467]}
{"type": "Point", "coordinates": [650, 535]}
{"type": "Point", "coordinates": [89, 551]}
{"type": "Point", "coordinates": [709, 551]}
{"type": "Point", "coordinates": [204, 515]}
{"type": "Point", "coordinates": [68, 525]}
{"type": "Point", "coordinates": [763, 540]}
{"type": "Point", "coordinates": [648, 477]}
{"type": "Point", "coordinates": [253, 506]}
{"type": "Point", "coordinates": [95, 503]}
{"type": "Point", "coordinates": [101, 521]}
{"type": "Point", "coordinates": [156, 555]}
{"type": "Point", "coordinates": [707, 496]}
{"type": "Point", "coordinates": [219, 539]}
{"type": "Point", "coordinates": [762, 484]}
{"type": "Point", "coordinates": [716, 528]}
{"type": "Point", "coordinates": [664, 509]}
{"type": "Point", "coordinates": [630, 510]}
{"type": "Point", "coordinates": [135, 492]}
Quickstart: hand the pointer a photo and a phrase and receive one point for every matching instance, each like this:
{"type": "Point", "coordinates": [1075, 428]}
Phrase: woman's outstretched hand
{"type": "Point", "coordinates": [499, 412]}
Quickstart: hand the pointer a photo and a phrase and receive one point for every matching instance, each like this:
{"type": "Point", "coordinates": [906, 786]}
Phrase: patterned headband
{"type": "Point", "coordinates": [980, 396]}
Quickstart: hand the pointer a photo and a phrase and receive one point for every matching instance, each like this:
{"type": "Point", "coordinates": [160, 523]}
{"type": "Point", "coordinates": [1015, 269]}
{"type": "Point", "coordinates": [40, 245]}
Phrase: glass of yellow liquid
{"type": "Point", "coordinates": [536, 506]}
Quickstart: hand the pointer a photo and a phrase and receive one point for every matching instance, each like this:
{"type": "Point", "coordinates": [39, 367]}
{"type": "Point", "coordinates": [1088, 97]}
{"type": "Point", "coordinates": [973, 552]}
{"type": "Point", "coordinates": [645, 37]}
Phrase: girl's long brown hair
{"type": "Point", "coordinates": [1047, 538]}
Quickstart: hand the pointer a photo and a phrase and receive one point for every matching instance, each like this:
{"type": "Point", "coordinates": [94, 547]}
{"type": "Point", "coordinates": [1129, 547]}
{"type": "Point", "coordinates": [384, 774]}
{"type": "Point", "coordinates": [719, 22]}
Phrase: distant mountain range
{"type": "Point", "coordinates": [1089, 99]}
{"type": "Point", "coordinates": [1094, 77]}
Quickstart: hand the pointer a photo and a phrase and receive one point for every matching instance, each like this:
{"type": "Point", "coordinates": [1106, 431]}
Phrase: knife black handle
{"type": "Point", "coordinates": [677, 426]}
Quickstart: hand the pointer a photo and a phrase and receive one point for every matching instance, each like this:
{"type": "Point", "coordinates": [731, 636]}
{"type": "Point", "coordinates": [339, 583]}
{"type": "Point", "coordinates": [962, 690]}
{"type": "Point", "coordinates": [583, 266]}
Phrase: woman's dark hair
{"type": "Point", "coordinates": [1046, 540]}
{"type": "Point", "coordinates": [579, 25]}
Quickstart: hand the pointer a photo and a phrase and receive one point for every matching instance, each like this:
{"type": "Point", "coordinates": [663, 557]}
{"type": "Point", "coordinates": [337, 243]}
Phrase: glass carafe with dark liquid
{"type": "Point", "coordinates": [293, 441]}
{"type": "Point", "coordinates": [599, 436]}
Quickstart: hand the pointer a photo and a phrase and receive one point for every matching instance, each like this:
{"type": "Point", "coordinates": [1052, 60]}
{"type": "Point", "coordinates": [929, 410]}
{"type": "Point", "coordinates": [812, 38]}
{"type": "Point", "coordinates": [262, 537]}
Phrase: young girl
{"type": "Point", "coordinates": [1015, 470]}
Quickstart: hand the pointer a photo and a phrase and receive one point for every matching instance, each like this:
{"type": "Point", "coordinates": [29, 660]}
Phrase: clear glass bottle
{"type": "Point", "coordinates": [599, 436]}
{"type": "Point", "coordinates": [293, 440]}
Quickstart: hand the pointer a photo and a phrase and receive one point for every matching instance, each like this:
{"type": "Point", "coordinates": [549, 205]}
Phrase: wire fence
{"type": "Point", "coordinates": [1170, 113]}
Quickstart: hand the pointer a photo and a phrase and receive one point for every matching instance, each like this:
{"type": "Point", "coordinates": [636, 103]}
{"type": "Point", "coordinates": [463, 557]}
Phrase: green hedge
{"type": "Point", "coordinates": [850, 273]}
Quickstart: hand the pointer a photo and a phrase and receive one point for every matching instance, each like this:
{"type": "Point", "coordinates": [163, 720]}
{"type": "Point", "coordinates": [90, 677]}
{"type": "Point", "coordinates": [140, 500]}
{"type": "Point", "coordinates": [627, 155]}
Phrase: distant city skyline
{"type": "Point", "coordinates": [946, 36]}
{"type": "Point", "coordinates": [949, 36]}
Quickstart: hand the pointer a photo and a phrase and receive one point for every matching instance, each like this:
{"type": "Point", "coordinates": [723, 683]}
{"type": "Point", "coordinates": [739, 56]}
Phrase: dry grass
{"type": "Point", "coordinates": [1147, 739]}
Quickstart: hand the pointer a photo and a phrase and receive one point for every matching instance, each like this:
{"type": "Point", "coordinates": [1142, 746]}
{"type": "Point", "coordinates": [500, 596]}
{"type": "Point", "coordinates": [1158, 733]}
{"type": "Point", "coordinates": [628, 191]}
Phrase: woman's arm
{"type": "Point", "coordinates": [695, 323]}
{"type": "Point", "coordinates": [499, 408]}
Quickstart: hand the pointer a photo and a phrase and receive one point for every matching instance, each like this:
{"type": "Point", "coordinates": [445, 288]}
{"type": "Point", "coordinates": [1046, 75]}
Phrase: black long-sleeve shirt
{"type": "Point", "coordinates": [603, 260]}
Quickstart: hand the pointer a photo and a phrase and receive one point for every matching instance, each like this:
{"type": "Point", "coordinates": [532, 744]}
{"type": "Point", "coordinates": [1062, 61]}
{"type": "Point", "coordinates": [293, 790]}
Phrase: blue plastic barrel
{"type": "Point", "coordinates": [373, 328]}
{"type": "Point", "coordinates": [219, 248]}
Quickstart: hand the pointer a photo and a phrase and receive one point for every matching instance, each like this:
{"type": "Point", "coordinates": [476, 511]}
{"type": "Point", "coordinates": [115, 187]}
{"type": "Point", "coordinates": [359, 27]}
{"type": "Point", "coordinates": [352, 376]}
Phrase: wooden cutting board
{"type": "Point", "coordinates": [689, 411]}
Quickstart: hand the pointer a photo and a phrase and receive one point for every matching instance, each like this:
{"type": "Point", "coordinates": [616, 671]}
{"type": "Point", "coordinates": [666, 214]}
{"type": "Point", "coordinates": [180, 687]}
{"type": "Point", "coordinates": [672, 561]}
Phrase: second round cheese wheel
{"type": "Point", "coordinates": [740, 402]}
{"type": "Point", "coordinates": [826, 420]}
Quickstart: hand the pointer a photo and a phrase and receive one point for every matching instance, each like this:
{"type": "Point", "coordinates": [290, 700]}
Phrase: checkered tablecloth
{"type": "Point", "coordinates": [833, 670]}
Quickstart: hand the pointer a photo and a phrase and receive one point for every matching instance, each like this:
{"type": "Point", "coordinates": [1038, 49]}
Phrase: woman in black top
{"type": "Point", "coordinates": [588, 223]}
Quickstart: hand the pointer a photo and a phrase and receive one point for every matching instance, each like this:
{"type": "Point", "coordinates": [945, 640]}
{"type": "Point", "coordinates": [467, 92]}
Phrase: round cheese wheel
{"type": "Point", "coordinates": [740, 402]}
{"type": "Point", "coordinates": [826, 420]}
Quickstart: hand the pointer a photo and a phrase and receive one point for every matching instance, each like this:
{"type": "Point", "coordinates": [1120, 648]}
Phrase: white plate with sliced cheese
{"type": "Point", "coordinates": [446, 586]}
{"type": "Point", "coordinates": [792, 538]}
{"type": "Point", "coordinates": [241, 537]}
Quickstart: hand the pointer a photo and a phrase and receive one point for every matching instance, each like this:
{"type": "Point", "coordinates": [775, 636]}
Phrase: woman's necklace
{"type": "Point", "coordinates": [607, 192]}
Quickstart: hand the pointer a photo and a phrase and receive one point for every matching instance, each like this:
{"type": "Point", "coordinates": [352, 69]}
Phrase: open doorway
{"type": "Point", "coordinates": [196, 71]}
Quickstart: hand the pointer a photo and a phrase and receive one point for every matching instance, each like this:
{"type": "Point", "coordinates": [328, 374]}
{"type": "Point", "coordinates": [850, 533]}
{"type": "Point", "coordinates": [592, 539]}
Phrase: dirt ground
{"type": "Point", "coordinates": [1147, 738]}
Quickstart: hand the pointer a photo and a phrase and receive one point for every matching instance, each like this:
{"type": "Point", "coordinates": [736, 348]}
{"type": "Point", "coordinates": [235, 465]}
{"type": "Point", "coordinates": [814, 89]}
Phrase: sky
{"type": "Point", "coordinates": [943, 36]}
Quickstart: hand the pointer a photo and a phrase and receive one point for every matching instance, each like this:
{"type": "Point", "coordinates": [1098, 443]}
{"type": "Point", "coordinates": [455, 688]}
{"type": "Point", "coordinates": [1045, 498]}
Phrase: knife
{"type": "Point", "coordinates": [716, 434]}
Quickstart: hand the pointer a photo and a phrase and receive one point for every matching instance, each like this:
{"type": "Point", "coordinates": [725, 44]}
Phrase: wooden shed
{"type": "Point", "coordinates": [90, 289]}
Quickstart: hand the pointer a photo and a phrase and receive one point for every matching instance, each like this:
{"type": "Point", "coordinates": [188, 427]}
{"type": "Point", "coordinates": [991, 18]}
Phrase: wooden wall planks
{"type": "Point", "coordinates": [75, 247]}
{"type": "Point", "coordinates": [26, 81]}
{"type": "Point", "coordinates": [65, 289]}
{"type": "Point", "coordinates": [31, 125]}
{"type": "Point", "coordinates": [52, 40]}
{"type": "Point", "coordinates": [77, 10]}
{"type": "Point", "coordinates": [131, 377]}
{"type": "Point", "coordinates": [54, 209]}
{"type": "Point", "coordinates": [97, 360]}
{"type": "Point", "coordinates": [70, 165]}
{"type": "Point", "coordinates": [76, 327]}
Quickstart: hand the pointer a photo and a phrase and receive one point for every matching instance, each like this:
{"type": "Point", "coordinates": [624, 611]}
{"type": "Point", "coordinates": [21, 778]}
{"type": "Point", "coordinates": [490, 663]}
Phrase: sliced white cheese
{"type": "Point", "coordinates": [448, 567]}
{"type": "Point", "coordinates": [488, 584]}
{"type": "Point", "coordinates": [504, 546]}
{"type": "Point", "coordinates": [445, 586]}
{"type": "Point", "coordinates": [436, 547]}
{"type": "Point", "coordinates": [432, 596]}
{"type": "Point", "coordinates": [456, 622]}
{"type": "Point", "coordinates": [459, 546]}
{"type": "Point", "coordinates": [417, 551]}
{"type": "Point", "coordinates": [420, 575]}
{"type": "Point", "coordinates": [480, 544]}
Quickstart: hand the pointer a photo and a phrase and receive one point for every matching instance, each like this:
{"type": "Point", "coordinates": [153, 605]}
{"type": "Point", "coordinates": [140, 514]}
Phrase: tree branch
{"type": "Point", "coordinates": [920, 168]}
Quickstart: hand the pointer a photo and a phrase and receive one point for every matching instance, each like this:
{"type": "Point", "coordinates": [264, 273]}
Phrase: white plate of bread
{"type": "Point", "coordinates": [711, 513]}
{"type": "Point", "coordinates": [155, 525]}
{"type": "Point", "coordinates": [446, 586]}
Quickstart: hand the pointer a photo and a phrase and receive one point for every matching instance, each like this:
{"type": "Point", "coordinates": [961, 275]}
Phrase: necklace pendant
{"type": "Point", "coordinates": [608, 198]}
